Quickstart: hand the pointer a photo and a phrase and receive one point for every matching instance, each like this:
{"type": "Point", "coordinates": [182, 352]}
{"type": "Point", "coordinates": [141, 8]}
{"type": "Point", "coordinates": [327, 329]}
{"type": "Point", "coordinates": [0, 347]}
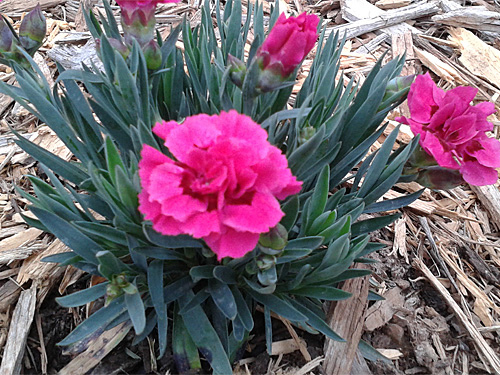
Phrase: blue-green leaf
{"type": "Point", "coordinates": [84, 296]}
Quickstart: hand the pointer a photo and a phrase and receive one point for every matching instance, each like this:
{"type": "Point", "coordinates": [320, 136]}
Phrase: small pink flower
{"type": "Point", "coordinates": [288, 43]}
{"type": "Point", "coordinates": [139, 9]}
{"type": "Point", "coordinates": [452, 131]}
{"type": "Point", "coordinates": [223, 185]}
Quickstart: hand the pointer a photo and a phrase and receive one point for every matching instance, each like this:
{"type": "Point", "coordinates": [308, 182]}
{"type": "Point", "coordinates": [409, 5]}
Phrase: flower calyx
{"type": "Point", "coordinates": [117, 286]}
{"type": "Point", "coordinates": [32, 30]}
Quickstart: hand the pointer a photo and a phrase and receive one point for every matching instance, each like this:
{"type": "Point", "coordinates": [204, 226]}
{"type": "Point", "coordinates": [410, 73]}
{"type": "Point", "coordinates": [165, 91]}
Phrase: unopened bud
{"type": "Point", "coordinates": [397, 85]}
{"type": "Point", "coordinates": [112, 292]}
{"type": "Point", "coordinates": [276, 238]}
{"type": "Point", "coordinates": [265, 262]}
{"type": "Point", "coordinates": [271, 78]}
{"type": "Point", "coordinates": [32, 30]}
{"type": "Point", "coordinates": [6, 37]}
{"type": "Point", "coordinates": [138, 21]}
{"type": "Point", "coordinates": [439, 178]}
{"type": "Point", "coordinates": [306, 134]}
{"type": "Point", "coordinates": [118, 45]}
{"type": "Point", "coordinates": [237, 70]}
{"type": "Point", "coordinates": [152, 54]}
{"type": "Point", "coordinates": [268, 277]}
{"type": "Point", "coordinates": [120, 281]}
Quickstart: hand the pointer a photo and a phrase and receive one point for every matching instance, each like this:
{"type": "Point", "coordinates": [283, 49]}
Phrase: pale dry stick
{"type": "Point", "coordinates": [489, 196]}
{"type": "Point", "coordinates": [481, 343]}
{"type": "Point", "coordinates": [389, 18]}
{"type": "Point", "coordinates": [18, 332]}
{"type": "Point", "coordinates": [457, 236]}
{"type": "Point", "coordinates": [97, 350]}
{"type": "Point", "coordinates": [43, 351]}
{"type": "Point", "coordinates": [300, 344]}
{"type": "Point", "coordinates": [346, 318]}
{"type": "Point", "coordinates": [308, 367]}
{"type": "Point", "coordinates": [434, 251]}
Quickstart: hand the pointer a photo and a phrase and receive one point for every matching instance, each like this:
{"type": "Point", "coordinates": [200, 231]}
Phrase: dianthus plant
{"type": "Point", "coordinates": [200, 187]}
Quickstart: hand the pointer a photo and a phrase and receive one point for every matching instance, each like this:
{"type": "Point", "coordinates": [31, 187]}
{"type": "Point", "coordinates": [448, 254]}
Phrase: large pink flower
{"type": "Point", "coordinates": [453, 131]}
{"type": "Point", "coordinates": [288, 43]}
{"type": "Point", "coordinates": [222, 186]}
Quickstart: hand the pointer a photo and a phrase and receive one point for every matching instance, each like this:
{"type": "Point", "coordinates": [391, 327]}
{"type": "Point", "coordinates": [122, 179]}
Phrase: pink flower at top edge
{"type": "Point", "coordinates": [223, 185]}
{"type": "Point", "coordinates": [453, 131]}
{"type": "Point", "coordinates": [288, 43]}
{"type": "Point", "coordinates": [143, 10]}
{"type": "Point", "coordinates": [139, 3]}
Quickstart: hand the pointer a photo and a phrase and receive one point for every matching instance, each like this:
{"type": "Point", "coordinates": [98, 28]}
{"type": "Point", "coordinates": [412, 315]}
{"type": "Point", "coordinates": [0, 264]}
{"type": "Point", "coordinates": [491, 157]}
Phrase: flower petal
{"type": "Point", "coordinates": [263, 214]}
{"type": "Point", "coordinates": [231, 243]}
{"type": "Point", "coordinates": [477, 174]}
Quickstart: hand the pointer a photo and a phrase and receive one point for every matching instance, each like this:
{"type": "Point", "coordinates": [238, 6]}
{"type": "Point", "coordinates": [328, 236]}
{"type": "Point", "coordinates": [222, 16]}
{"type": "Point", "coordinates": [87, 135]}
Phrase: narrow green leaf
{"type": "Point", "coordinates": [98, 320]}
{"type": "Point", "coordinates": [71, 237]}
{"type": "Point", "coordinates": [223, 298]}
{"type": "Point", "coordinates": [393, 204]}
{"type": "Point", "coordinates": [160, 253]}
{"type": "Point", "coordinates": [244, 313]}
{"type": "Point", "coordinates": [370, 353]}
{"type": "Point", "coordinates": [312, 243]}
{"type": "Point", "coordinates": [136, 311]}
{"type": "Point", "coordinates": [173, 242]}
{"type": "Point", "coordinates": [319, 196]}
{"type": "Point", "coordinates": [327, 293]}
{"type": "Point", "coordinates": [370, 225]}
{"type": "Point", "coordinates": [84, 296]}
{"type": "Point", "coordinates": [184, 349]}
{"type": "Point", "coordinates": [279, 306]}
{"type": "Point", "coordinates": [291, 210]}
{"type": "Point", "coordinates": [204, 336]}
{"type": "Point", "coordinates": [315, 321]}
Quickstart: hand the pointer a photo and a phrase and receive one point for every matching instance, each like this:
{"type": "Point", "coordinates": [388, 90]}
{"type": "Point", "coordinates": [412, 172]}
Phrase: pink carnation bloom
{"type": "Point", "coordinates": [223, 185]}
{"type": "Point", "coordinates": [452, 131]}
{"type": "Point", "coordinates": [288, 43]}
{"type": "Point", "coordinates": [142, 9]}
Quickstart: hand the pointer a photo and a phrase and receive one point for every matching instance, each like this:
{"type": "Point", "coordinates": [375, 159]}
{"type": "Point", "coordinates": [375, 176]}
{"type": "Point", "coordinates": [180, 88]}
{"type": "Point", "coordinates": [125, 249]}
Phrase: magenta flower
{"type": "Point", "coordinates": [288, 43]}
{"type": "Point", "coordinates": [223, 185]}
{"type": "Point", "coordinates": [138, 19]}
{"type": "Point", "coordinates": [452, 131]}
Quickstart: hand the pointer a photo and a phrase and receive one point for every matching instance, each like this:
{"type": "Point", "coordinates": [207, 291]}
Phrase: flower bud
{"type": "Point", "coordinates": [237, 70]}
{"type": "Point", "coordinates": [118, 45]}
{"type": "Point", "coordinates": [6, 37]}
{"type": "Point", "coordinates": [440, 178]}
{"type": "Point", "coordinates": [275, 239]}
{"type": "Point", "coordinates": [152, 54]}
{"type": "Point", "coordinates": [265, 262]}
{"type": "Point", "coordinates": [112, 291]}
{"type": "Point", "coordinates": [268, 276]}
{"type": "Point", "coordinates": [421, 159]}
{"type": "Point", "coordinates": [286, 46]}
{"type": "Point", "coordinates": [306, 134]}
{"type": "Point", "coordinates": [398, 84]}
{"type": "Point", "coordinates": [138, 21]}
{"type": "Point", "coordinates": [32, 30]}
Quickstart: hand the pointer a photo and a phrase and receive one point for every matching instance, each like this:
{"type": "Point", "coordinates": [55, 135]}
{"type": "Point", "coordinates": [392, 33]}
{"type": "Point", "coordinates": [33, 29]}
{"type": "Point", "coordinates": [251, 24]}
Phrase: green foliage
{"type": "Point", "coordinates": [105, 117]}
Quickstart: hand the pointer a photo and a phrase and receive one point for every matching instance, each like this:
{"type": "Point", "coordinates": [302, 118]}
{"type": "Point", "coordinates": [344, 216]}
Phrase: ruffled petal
{"type": "Point", "coordinates": [477, 174]}
{"type": "Point", "coordinates": [489, 153]}
{"type": "Point", "coordinates": [263, 213]}
{"type": "Point", "coordinates": [231, 243]}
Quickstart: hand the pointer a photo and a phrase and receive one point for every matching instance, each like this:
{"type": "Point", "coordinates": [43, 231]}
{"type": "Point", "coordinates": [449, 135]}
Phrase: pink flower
{"type": "Point", "coordinates": [141, 3]}
{"type": "Point", "coordinates": [288, 43]}
{"type": "Point", "coordinates": [139, 11]}
{"type": "Point", "coordinates": [223, 185]}
{"type": "Point", "coordinates": [452, 131]}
